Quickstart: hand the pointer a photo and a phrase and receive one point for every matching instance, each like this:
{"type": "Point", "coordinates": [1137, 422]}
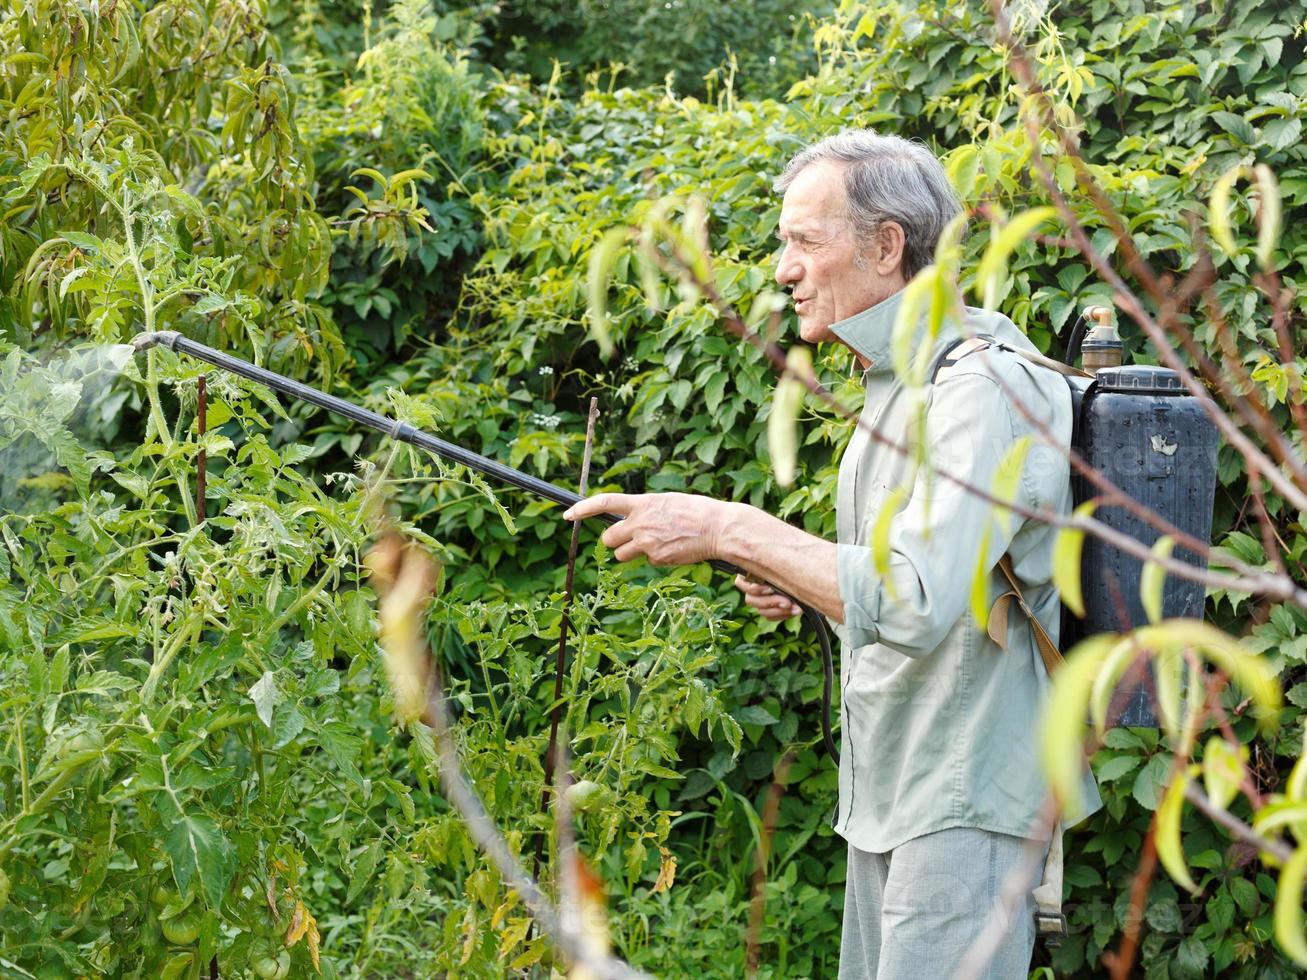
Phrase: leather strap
{"type": "Point", "coordinates": [998, 615]}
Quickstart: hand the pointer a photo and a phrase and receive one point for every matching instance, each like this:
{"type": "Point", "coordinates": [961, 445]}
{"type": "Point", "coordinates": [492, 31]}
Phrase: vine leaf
{"type": "Point", "coordinates": [197, 848]}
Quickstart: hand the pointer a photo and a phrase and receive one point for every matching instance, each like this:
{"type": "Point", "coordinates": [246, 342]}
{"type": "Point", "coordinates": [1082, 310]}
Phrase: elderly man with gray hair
{"type": "Point", "coordinates": [940, 795]}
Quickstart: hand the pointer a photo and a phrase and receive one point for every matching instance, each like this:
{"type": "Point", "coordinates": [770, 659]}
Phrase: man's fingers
{"type": "Point", "coordinates": [617, 535]}
{"type": "Point", "coordinates": [601, 503]}
{"type": "Point", "coordinates": [774, 606]}
{"type": "Point", "coordinates": [752, 587]}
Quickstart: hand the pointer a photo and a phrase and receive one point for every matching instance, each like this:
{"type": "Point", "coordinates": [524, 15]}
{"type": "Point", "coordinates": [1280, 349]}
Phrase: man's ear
{"type": "Point", "coordinates": [888, 250]}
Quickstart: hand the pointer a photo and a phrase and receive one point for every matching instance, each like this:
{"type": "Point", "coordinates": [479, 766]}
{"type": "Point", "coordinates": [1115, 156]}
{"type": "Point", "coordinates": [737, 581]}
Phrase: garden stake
{"type": "Point", "coordinates": [404, 432]}
{"type": "Point", "coordinates": [202, 462]}
{"type": "Point", "coordinates": [560, 662]}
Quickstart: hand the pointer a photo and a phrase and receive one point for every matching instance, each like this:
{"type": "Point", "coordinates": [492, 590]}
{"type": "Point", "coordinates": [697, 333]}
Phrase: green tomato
{"type": "Point", "coordinates": [270, 967]}
{"type": "Point", "coordinates": [586, 796]}
{"type": "Point", "coordinates": [81, 742]}
{"type": "Point", "coordinates": [183, 929]}
{"type": "Point", "coordinates": [161, 895]}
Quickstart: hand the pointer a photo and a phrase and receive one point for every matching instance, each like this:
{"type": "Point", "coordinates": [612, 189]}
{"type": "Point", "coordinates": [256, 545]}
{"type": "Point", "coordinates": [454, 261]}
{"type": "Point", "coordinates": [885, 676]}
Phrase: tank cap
{"type": "Point", "coordinates": [1139, 378]}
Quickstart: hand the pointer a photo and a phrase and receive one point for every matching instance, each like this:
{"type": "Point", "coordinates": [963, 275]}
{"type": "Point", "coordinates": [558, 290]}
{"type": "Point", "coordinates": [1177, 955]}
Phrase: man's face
{"type": "Point", "coordinates": [830, 275]}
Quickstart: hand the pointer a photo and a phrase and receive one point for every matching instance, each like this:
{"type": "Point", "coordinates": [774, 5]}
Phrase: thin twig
{"type": "Point", "coordinates": [1119, 963]}
{"type": "Point", "coordinates": [560, 660]}
{"type": "Point", "coordinates": [1238, 829]}
{"type": "Point", "coordinates": [771, 810]}
{"type": "Point", "coordinates": [202, 459]}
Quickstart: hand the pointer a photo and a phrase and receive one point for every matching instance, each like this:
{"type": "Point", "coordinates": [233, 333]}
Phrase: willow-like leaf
{"type": "Point", "coordinates": [1222, 771]}
{"type": "Point", "coordinates": [1002, 243]}
{"type": "Point", "coordinates": [782, 423]}
{"type": "Point", "coordinates": [1062, 727]}
{"type": "Point", "coordinates": [1218, 208]}
{"type": "Point", "coordinates": [1066, 561]}
{"type": "Point", "coordinates": [1153, 578]}
{"type": "Point", "coordinates": [1253, 674]}
{"type": "Point", "coordinates": [602, 259]}
{"type": "Point", "coordinates": [1288, 908]}
{"type": "Point", "coordinates": [1295, 787]}
{"type": "Point", "coordinates": [1115, 664]}
{"type": "Point", "coordinates": [980, 576]}
{"type": "Point", "coordinates": [1268, 216]}
{"type": "Point", "coordinates": [904, 338]}
{"type": "Point", "coordinates": [880, 538]}
{"type": "Point", "coordinates": [1167, 666]}
{"type": "Point", "coordinates": [1277, 816]}
{"type": "Point", "coordinates": [1170, 851]}
{"type": "Point", "coordinates": [1007, 479]}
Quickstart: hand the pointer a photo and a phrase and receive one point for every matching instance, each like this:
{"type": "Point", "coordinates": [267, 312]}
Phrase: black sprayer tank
{"type": "Point", "coordinates": [1139, 426]}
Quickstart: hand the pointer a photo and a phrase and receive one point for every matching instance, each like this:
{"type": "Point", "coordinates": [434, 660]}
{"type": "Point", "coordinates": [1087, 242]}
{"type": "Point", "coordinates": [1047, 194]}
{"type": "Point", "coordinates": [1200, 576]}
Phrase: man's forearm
{"type": "Point", "coordinates": [767, 548]}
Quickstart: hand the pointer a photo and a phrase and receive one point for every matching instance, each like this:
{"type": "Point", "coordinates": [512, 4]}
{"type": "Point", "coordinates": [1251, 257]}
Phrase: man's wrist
{"type": "Point", "coordinates": [731, 537]}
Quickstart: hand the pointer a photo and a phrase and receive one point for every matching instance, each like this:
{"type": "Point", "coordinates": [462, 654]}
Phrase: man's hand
{"type": "Point", "coordinates": [769, 603]}
{"type": "Point", "coordinates": [667, 528]}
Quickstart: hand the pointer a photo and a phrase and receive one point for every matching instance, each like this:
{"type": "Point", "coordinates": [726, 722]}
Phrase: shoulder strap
{"type": "Point", "coordinates": [1048, 650]}
{"type": "Point", "coordinates": [958, 349]}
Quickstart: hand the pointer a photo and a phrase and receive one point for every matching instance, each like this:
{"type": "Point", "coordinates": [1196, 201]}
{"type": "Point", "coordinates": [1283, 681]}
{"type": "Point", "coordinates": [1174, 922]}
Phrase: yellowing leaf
{"type": "Point", "coordinates": [880, 537]}
{"type": "Point", "coordinates": [1295, 788]}
{"type": "Point", "coordinates": [1268, 215]}
{"type": "Point", "coordinates": [980, 581]}
{"type": "Point", "coordinates": [1167, 665]}
{"type": "Point", "coordinates": [1007, 479]}
{"type": "Point", "coordinates": [602, 259]}
{"type": "Point", "coordinates": [1066, 561]}
{"type": "Point", "coordinates": [1153, 578]}
{"type": "Point", "coordinates": [513, 934]}
{"type": "Point", "coordinates": [1062, 727]}
{"type": "Point", "coordinates": [1288, 908]}
{"type": "Point", "coordinates": [1253, 674]}
{"type": "Point", "coordinates": [782, 438]}
{"type": "Point", "coordinates": [1287, 813]}
{"type": "Point", "coordinates": [1169, 849]}
{"type": "Point", "coordinates": [666, 871]}
{"type": "Point", "coordinates": [1222, 770]}
{"type": "Point", "coordinates": [1002, 243]}
{"type": "Point", "coordinates": [1218, 208]}
{"type": "Point", "coordinates": [905, 336]}
{"type": "Point", "coordinates": [1115, 664]}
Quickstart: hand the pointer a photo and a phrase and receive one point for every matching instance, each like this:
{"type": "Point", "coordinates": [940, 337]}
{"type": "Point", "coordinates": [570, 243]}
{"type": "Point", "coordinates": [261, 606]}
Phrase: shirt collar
{"type": "Point", "coordinates": [868, 333]}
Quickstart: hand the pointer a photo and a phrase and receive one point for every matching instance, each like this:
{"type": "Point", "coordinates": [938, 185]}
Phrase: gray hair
{"type": "Point", "coordinates": [888, 178]}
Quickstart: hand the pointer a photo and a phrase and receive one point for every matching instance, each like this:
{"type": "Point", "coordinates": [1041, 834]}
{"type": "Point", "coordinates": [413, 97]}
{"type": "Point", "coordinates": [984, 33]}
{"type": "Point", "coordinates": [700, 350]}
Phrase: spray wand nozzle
{"type": "Point", "coordinates": [144, 341]}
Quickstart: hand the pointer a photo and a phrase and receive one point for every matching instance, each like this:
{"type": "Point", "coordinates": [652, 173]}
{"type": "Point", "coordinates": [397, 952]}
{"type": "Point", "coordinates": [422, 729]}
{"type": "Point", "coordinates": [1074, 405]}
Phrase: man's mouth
{"type": "Point", "coordinates": [801, 305]}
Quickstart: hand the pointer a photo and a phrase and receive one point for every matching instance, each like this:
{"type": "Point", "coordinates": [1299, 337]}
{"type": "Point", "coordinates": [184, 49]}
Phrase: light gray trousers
{"type": "Point", "coordinates": [913, 913]}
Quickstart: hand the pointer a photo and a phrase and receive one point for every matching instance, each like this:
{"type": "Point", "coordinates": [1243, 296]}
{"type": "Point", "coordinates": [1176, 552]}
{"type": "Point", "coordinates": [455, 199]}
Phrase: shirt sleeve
{"type": "Point", "coordinates": [935, 541]}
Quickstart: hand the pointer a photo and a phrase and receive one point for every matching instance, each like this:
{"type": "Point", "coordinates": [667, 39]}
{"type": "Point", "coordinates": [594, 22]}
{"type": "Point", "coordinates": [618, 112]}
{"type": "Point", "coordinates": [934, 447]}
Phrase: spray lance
{"type": "Point", "coordinates": [404, 432]}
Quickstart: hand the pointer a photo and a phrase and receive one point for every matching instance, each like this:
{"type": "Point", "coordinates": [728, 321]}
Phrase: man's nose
{"type": "Point", "coordinates": [787, 270]}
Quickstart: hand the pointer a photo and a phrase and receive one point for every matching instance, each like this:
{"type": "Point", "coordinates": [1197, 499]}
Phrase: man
{"type": "Point", "coordinates": [939, 788]}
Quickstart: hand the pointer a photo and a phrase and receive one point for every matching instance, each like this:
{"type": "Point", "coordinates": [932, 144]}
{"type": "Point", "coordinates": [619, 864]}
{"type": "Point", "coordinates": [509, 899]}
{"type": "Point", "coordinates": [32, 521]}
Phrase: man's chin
{"type": "Point", "coordinates": [814, 332]}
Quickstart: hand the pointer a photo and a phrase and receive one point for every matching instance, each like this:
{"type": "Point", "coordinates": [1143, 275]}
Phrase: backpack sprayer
{"type": "Point", "coordinates": [1138, 426]}
{"type": "Point", "coordinates": [404, 432]}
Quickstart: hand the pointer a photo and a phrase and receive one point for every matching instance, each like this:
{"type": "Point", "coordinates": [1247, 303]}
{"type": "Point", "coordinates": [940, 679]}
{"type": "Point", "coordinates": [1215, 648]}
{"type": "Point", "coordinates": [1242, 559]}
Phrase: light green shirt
{"type": "Point", "coordinates": [939, 723]}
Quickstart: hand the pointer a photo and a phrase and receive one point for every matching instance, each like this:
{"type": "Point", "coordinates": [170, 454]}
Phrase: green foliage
{"type": "Point", "coordinates": [194, 710]}
{"type": "Point", "coordinates": [407, 111]}
{"type": "Point", "coordinates": [759, 46]}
